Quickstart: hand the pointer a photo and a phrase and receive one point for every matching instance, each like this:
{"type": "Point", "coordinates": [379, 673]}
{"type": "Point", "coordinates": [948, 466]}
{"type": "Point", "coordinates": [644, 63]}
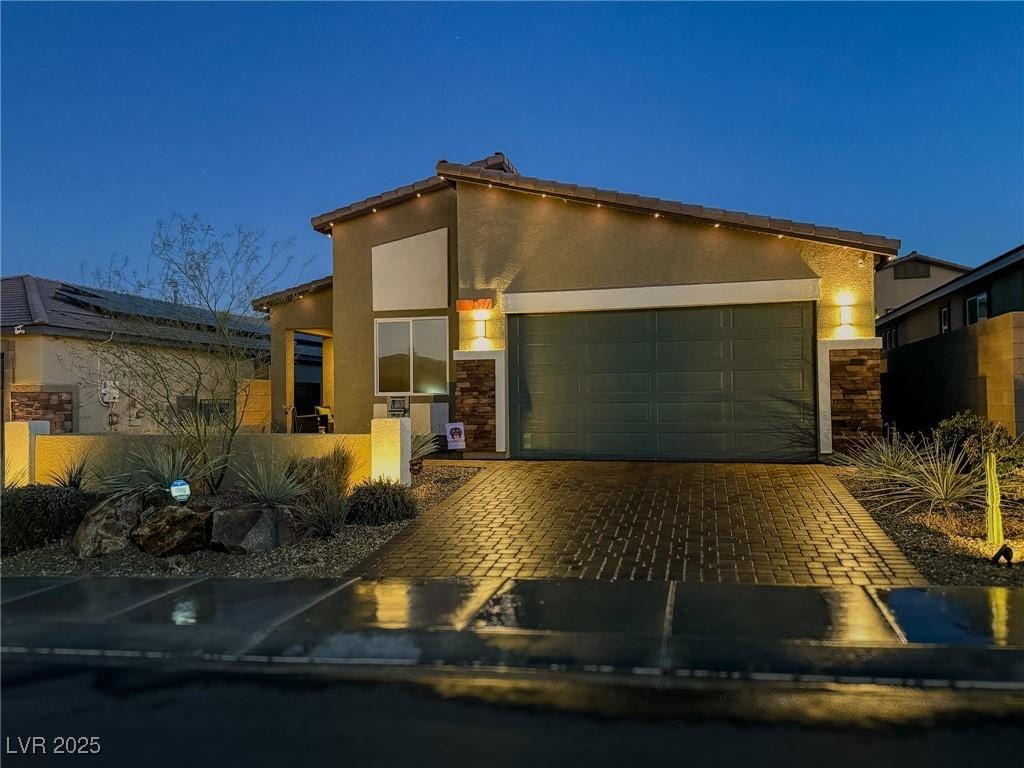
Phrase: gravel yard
{"type": "Point", "coordinates": [949, 550]}
{"type": "Point", "coordinates": [312, 558]}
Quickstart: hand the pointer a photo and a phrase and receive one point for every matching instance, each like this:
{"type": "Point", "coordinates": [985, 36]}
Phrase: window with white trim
{"type": "Point", "coordinates": [976, 308]}
{"type": "Point", "coordinates": [944, 319]}
{"type": "Point", "coordinates": [412, 356]}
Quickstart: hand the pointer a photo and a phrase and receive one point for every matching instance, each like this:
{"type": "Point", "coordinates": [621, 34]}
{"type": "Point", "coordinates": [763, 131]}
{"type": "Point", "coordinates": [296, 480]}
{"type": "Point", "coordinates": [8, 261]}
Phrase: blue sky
{"type": "Point", "coordinates": [905, 119]}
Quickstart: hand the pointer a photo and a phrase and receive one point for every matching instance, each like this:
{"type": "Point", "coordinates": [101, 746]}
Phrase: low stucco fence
{"type": "Point", "coordinates": [31, 455]}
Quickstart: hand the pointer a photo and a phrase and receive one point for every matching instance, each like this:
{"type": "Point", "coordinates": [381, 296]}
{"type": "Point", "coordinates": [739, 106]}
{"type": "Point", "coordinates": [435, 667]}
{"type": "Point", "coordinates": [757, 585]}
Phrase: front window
{"type": "Point", "coordinates": [944, 319]}
{"type": "Point", "coordinates": [976, 309]}
{"type": "Point", "coordinates": [412, 356]}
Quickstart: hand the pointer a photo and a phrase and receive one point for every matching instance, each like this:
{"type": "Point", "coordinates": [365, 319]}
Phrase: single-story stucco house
{"type": "Point", "coordinates": [958, 347]}
{"type": "Point", "coordinates": [559, 320]}
{"type": "Point", "coordinates": [51, 332]}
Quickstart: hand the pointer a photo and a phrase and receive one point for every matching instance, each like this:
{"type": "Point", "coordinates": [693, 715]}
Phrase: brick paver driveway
{"type": "Point", "coordinates": [752, 523]}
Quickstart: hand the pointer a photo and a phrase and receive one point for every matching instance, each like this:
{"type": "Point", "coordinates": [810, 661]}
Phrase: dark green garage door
{"type": "Point", "coordinates": [718, 383]}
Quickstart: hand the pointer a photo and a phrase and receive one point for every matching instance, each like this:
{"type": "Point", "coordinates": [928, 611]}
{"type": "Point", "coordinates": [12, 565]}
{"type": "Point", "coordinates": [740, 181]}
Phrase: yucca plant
{"type": "Point", "coordinates": [272, 482]}
{"type": "Point", "coordinates": [879, 459]}
{"type": "Point", "coordinates": [423, 444]}
{"type": "Point", "coordinates": [13, 478]}
{"type": "Point", "coordinates": [152, 467]}
{"type": "Point", "coordinates": [940, 479]}
{"type": "Point", "coordinates": [72, 472]}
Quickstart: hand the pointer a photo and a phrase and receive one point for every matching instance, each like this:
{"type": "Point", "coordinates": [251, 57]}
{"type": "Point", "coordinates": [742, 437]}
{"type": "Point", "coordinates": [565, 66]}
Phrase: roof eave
{"type": "Point", "coordinates": [263, 303]}
{"type": "Point", "coordinates": [324, 221]}
{"type": "Point", "coordinates": [668, 209]}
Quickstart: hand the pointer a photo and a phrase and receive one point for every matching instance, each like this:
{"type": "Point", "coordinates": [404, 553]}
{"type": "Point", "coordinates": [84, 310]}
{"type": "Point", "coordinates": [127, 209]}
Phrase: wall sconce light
{"type": "Point", "coordinates": [846, 315]}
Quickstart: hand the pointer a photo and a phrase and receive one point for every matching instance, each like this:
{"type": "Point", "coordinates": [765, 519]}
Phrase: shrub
{"type": "Point", "coordinates": [35, 515]}
{"type": "Point", "coordinates": [334, 468]}
{"type": "Point", "coordinates": [72, 472]}
{"type": "Point", "coordinates": [972, 433]}
{"type": "Point", "coordinates": [321, 511]}
{"type": "Point", "coordinates": [379, 502]}
{"type": "Point", "coordinates": [940, 480]}
{"type": "Point", "coordinates": [272, 482]}
{"type": "Point", "coordinates": [880, 458]}
{"type": "Point", "coordinates": [151, 468]}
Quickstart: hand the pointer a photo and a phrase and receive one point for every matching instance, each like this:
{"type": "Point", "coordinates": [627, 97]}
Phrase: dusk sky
{"type": "Point", "coordinates": [905, 120]}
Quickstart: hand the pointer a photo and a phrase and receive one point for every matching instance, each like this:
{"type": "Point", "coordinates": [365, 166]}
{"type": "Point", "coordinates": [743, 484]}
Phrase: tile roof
{"type": "Point", "coordinates": [58, 308]}
{"type": "Point", "coordinates": [915, 256]}
{"type": "Point", "coordinates": [287, 294]}
{"type": "Point", "coordinates": [638, 203]}
{"type": "Point", "coordinates": [322, 223]}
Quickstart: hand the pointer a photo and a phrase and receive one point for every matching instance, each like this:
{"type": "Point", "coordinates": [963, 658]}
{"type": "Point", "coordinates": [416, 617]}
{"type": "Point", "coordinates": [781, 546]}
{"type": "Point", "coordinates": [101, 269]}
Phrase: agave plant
{"type": "Point", "coordinates": [423, 444]}
{"type": "Point", "coordinates": [271, 482]}
{"type": "Point", "coordinates": [72, 472]}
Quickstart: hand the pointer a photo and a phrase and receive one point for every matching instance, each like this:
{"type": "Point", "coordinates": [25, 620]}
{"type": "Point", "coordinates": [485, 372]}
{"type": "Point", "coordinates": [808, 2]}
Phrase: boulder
{"type": "Point", "coordinates": [106, 527]}
{"type": "Point", "coordinates": [172, 530]}
{"type": "Point", "coordinates": [245, 529]}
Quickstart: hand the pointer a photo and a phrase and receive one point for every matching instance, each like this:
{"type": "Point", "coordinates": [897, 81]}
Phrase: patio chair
{"type": "Point", "coordinates": [325, 418]}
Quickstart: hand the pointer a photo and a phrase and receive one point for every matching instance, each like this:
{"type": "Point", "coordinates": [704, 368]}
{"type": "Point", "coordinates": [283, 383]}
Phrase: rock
{"type": "Point", "coordinates": [106, 527]}
{"type": "Point", "coordinates": [172, 530]}
{"type": "Point", "coordinates": [245, 529]}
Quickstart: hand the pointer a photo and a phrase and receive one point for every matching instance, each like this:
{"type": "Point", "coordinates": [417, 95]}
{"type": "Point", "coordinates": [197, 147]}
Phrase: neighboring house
{"type": "Point", "coordinates": [557, 320]}
{"type": "Point", "coordinates": [959, 347]}
{"type": "Point", "coordinates": [52, 370]}
{"type": "Point", "coordinates": [899, 280]}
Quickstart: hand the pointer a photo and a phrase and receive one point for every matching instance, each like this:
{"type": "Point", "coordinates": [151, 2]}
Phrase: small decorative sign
{"type": "Point", "coordinates": [180, 491]}
{"type": "Point", "coordinates": [456, 434]}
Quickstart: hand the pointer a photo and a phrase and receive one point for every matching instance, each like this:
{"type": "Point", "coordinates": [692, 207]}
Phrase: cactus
{"type": "Point", "coordinates": [993, 512]}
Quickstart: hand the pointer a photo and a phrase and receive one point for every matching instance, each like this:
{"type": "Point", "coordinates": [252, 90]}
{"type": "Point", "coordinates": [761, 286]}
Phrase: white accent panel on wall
{"type": "Point", "coordinates": [411, 273]}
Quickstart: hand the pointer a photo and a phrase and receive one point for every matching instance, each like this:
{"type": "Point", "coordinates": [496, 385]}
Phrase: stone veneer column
{"type": "Point", "coordinates": [475, 404]}
{"type": "Point", "coordinates": [856, 393]}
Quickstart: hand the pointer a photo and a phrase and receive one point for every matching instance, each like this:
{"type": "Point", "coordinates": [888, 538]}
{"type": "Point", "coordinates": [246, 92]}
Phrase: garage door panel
{"type": "Point", "coordinates": [627, 326]}
{"type": "Point", "coordinates": [691, 355]}
{"type": "Point", "coordinates": [618, 356]}
{"type": "Point", "coordinates": [553, 442]}
{"type": "Point", "coordinates": [622, 415]}
{"type": "Point", "coordinates": [696, 323]}
{"type": "Point", "coordinates": [769, 385]}
{"type": "Point", "coordinates": [634, 382]}
{"type": "Point", "coordinates": [767, 320]}
{"type": "Point", "coordinates": [702, 414]}
{"type": "Point", "coordinates": [710, 383]}
{"type": "Point", "coordinates": [768, 353]}
{"type": "Point", "coordinates": [536, 385]}
{"type": "Point", "coordinates": [692, 381]}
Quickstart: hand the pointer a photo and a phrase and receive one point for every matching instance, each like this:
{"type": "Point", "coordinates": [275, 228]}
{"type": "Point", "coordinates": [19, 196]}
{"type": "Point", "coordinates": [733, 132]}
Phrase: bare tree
{"type": "Point", "coordinates": [184, 342]}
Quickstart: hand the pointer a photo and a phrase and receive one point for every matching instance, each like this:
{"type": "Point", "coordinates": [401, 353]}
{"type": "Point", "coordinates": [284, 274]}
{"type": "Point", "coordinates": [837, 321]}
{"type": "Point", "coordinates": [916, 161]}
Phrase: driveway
{"type": "Point", "coordinates": [649, 521]}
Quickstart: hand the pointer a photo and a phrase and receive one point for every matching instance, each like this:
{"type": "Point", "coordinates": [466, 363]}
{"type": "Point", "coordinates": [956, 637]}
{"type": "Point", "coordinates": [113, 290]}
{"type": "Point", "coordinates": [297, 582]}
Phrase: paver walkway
{"type": "Point", "coordinates": [745, 523]}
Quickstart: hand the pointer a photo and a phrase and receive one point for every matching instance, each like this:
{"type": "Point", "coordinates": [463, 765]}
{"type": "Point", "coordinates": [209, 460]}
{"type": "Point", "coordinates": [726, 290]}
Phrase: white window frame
{"type": "Point", "coordinates": [412, 342]}
{"type": "Point", "coordinates": [944, 314]}
{"type": "Point", "coordinates": [976, 299]}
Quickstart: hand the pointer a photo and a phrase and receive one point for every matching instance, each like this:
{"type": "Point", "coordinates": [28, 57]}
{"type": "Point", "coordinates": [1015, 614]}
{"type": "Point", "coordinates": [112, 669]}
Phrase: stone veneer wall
{"type": "Point", "coordinates": [856, 393]}
{"type": "Point", "coordinates": [54, 407]}
{"type": "Point", "coordinates": [475, 403]}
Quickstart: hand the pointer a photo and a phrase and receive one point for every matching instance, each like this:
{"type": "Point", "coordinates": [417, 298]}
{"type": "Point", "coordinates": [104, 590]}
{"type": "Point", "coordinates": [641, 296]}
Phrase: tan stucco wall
{"type": "Point", "coordinates": [52, 452]}
{"type": "Point", "coordinates": [503, 233]}
{"type": "Point", "coordinates": [52, 363]}
{"type": "Point", "coordinates": [313, 313]}
{"type": "Point", "coordinates": [353, 297]}
{"type": "Point", "coordinates": [979, 368]}
{"type": "Point", "coordinates": [891, 293]}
